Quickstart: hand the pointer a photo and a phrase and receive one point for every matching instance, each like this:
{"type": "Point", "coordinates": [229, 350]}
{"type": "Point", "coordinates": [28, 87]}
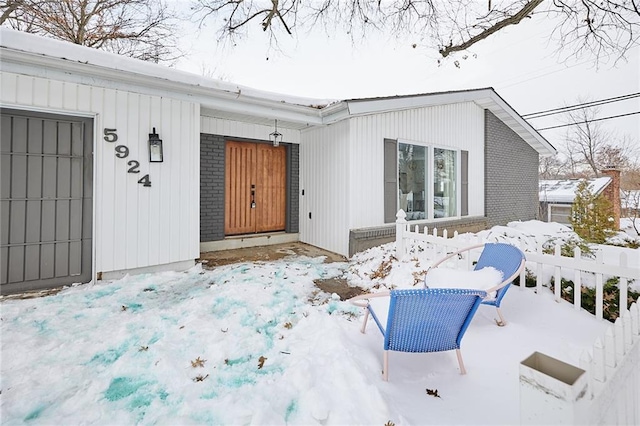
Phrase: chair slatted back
{"type": "Point", "coordinates": [429, 320]}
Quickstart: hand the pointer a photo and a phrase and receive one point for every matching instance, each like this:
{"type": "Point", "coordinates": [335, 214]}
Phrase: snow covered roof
{"type": "Point", "coordinates": [31, 54]}
{"type": "Point", "coordinates": [564, 191]}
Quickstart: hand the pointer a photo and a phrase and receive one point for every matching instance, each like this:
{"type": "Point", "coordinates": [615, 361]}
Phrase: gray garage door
{"type": "Point", "coordinates": [46, 200]}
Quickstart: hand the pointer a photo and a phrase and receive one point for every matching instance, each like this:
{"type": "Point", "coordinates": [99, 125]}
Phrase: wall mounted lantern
{"type": "Point", "coordinates": [155, 147]}
{"type": "Point", "coordinates": [275, 137]}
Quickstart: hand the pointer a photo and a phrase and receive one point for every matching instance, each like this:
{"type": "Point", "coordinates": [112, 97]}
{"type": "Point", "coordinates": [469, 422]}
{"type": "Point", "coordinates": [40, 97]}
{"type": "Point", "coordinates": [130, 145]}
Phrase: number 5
{"type": "Point", "coordinates": [110, 135]}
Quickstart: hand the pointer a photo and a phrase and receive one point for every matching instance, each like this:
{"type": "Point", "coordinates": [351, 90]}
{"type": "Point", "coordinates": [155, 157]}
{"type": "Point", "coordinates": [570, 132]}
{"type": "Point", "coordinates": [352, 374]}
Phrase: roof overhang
{"type": "Point", "coordinates": [486, 98]}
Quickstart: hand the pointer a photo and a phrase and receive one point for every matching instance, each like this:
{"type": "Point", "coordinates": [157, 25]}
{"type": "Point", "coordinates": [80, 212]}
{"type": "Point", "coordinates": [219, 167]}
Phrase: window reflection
{"type": "Point", "coordinates": [412, 165]}
{"type": "Point", "coordinates": [444, 183]}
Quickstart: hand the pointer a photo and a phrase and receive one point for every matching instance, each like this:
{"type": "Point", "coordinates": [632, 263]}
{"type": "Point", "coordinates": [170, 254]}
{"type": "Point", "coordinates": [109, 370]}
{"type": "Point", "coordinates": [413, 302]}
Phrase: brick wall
{"type": "Point", "coordinates": [212, 155]}
{"type": "Point", "coordinates": [511, 174]}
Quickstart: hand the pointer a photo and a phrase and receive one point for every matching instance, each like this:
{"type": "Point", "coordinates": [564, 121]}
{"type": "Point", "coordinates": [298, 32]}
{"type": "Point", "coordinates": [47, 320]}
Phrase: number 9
{"type": "Point", "coordinates": [122, 151]}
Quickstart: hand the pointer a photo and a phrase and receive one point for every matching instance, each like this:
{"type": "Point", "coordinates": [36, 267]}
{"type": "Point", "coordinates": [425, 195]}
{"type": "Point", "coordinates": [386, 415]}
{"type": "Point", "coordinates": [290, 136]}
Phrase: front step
{"type": "Point", "coordinates": [253, 240]}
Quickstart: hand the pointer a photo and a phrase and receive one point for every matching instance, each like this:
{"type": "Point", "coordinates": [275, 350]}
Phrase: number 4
{"type": "Point", "coordinates": [144, 180]}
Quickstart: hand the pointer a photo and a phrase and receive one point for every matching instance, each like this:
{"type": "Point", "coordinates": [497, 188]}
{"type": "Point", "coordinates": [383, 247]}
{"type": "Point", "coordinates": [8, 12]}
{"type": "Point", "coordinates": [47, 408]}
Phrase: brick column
{"type": "Point", "coordinates": [612, 192]}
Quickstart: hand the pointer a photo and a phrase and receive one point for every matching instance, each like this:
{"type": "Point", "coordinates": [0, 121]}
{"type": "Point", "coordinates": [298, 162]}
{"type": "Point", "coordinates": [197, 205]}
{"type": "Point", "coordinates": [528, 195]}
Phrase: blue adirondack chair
{"type": "Point", "coordinates": [506, 258]}
{"type": "Point", "coordinates": [423, 320]}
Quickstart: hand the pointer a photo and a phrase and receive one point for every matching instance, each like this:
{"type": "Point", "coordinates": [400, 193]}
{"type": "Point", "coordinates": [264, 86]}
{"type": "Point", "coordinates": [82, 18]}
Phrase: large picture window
{"type": "Point", "coordinates": [420, 168]}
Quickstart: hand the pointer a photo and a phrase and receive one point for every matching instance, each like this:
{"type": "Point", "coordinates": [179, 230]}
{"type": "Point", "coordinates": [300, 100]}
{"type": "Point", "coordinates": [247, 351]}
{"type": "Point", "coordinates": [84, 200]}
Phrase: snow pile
{"type": "Point", "coordinates": [258, 343]}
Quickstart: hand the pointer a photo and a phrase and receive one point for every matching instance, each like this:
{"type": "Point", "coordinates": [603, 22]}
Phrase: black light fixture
{"type": "Point", "coordinates": [275, 137]}
{"type": "Point", "coordinates": [155, 147]}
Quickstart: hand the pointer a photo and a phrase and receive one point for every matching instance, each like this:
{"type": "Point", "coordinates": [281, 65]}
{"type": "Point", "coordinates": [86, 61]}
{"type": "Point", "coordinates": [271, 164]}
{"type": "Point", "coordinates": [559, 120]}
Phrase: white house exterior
{"type": "Point", "coordinates": [81, 199]}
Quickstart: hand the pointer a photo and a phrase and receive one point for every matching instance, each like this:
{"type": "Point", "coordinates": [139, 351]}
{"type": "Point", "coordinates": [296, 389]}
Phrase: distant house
{"type": "Point", "coordinates": [114, 166]}
{"type": "Point", "coordinates": [556, 196]}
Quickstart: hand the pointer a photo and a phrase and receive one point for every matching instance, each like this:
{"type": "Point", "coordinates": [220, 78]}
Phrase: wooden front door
{"type": "Point", "coordinates": [255, 188]}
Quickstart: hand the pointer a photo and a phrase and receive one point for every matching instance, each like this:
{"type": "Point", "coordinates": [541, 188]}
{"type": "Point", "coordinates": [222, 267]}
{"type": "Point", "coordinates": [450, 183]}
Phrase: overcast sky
{"type": "Point", "coordinates": [519, 63]}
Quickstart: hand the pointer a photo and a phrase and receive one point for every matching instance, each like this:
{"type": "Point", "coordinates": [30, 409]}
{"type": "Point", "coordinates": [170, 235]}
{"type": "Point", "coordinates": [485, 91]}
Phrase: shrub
{"type": "Point", "coordinates": [591, 215]}
{"type": "Point", "coordinates": [610, 297]}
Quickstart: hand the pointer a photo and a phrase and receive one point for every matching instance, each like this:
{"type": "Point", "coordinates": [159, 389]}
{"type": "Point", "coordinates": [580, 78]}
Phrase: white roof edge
{"type": "Point", "coordinates": [36, 49]}
{"type": "Point", "coordinates": [522, 122]}
{"type": "Point", "coordinates": [479, 96]}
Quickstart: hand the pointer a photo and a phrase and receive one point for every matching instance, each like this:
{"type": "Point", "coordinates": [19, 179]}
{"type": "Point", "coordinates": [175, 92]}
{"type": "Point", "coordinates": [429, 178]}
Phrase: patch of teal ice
{"type": "Point", "coordinates": [110, 356]}
{"type": "Point", "coordinates": [35, 414]}
{"type": "Point", "coordinates": [291, 409]}
{"type": "Point", "coordinates": [222, 306]}
{"type": "Point", "coordinates": [122, 387]}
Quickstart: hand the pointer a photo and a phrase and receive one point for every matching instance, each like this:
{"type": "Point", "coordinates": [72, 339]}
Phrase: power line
{"type": "Point", "coordinates": [553, 111]}
{"type": "Point", "coordinates": [595, 119]}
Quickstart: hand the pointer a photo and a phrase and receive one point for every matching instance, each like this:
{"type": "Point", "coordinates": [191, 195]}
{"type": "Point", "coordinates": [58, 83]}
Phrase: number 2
{"type": "Point", "coordinates": [134, 166]}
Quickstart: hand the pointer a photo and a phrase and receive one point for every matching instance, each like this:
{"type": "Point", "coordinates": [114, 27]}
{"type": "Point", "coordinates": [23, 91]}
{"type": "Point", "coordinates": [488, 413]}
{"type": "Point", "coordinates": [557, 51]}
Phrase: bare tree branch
{"type": "Point", "coordinates": [142, 29]}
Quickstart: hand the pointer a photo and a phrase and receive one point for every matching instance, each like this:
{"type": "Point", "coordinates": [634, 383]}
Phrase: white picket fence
{"type": "Point", "coordinates": [613, 365]}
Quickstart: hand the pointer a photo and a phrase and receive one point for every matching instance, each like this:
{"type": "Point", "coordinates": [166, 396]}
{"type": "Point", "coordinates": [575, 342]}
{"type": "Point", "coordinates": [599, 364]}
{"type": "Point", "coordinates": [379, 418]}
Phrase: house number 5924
{"type": "Point", "coordinates": [122, 151]}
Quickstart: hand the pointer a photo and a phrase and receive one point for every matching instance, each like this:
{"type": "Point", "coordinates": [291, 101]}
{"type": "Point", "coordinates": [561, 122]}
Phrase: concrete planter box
{"type": "Point", "coordinates": [551, 391]}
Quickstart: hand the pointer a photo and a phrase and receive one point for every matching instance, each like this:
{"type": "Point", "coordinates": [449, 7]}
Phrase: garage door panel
{"type": "Point", "coordinates": [34, 142]}
{"type": "Point", "coordinates": [4, 224]}
{"type": "Point", "coordinates": [76, 178]}
{"type": "Point", "coordinates": [16, 264]}
{"type": "Point", "coordinates": [19, 176]}
{"type": "Point", "coordinates": [62, 260]}
{"type": "Point", "coordinates": [4, 258]}
{"type": "Point", "coordinates": [48, 223]}
{"type": "Point", "coordinates": [17, 211]}
{"type": "Point", "coordinates": [34, 179]}
{"type": "Point", "coordinates": [33, 219]}
{"type": "Point", "coordinates": [64, 138]}
{"type": "Point", "coordinates": [87, 206]}
{"type": "Point", "coordinates": [77, 146]}
{"type": "Point", "coordinates": [5, 134]}
{"type": "Point", "coordinates": [64, 178]}
{"type": "Point", "coordinates": [49, 178]}
{"type": "Point", "coordinates": [19, 135]}
{"type": "Point", "coordinates": [5, 184]}
{"type": "Point", "coordinates": [62, 220]}
{"type": "Point", "coordinates": [75, 255]}
{"type": "Point", "coordinates": [32, 262]}
{"type": "Point", "coordinates": [49, 137]}
{"type": "Point", "coordinates": [47, 256]}
{"type": "Point", "coordinates": [75, 219]}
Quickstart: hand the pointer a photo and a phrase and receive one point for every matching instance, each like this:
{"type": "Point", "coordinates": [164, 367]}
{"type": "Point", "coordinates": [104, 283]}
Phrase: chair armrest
{"type": "Point", "coordinates": [362, 299]}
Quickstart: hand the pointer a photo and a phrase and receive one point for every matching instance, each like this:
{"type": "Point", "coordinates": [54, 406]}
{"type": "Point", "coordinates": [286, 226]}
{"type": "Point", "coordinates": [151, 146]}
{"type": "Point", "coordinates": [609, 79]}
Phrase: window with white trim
{"type": "Point", "coordinates": [425, 181]}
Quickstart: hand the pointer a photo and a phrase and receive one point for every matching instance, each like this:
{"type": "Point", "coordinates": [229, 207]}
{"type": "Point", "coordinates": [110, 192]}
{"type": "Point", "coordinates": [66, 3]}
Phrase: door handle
{"type": "Point", "coordinates": [253, 196]}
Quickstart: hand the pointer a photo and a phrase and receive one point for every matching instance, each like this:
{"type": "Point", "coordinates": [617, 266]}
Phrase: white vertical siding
{"type": "Point", "coordinates": [324, 177]}
{"type": "Point", "coordinates": [225, 127]}
{"type": "Point", "coordinates": [458, 126]}
{"type": "Point", "coordinates": [135, 226]}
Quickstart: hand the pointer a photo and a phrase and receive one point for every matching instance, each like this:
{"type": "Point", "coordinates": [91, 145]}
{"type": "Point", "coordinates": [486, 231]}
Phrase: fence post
{"type": "Point", "coordinates": [401, 226]}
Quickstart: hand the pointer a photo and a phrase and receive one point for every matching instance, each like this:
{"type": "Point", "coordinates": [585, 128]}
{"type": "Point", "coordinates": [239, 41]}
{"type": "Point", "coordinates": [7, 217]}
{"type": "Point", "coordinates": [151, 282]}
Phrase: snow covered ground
{"type": "Point", "coordinates": [257, 343]}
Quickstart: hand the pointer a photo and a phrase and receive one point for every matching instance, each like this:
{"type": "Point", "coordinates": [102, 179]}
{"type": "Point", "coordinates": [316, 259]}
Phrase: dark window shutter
{"type": "Point", "coordinates": [464, 183]}
{"type": "Point", "coordinates": [390, 180]}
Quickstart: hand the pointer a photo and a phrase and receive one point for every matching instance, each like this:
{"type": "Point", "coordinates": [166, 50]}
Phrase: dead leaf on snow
{"type": "Point", "coordinates": [261, 361]}
{"type": "Point", "coordinates": [198, 362]}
